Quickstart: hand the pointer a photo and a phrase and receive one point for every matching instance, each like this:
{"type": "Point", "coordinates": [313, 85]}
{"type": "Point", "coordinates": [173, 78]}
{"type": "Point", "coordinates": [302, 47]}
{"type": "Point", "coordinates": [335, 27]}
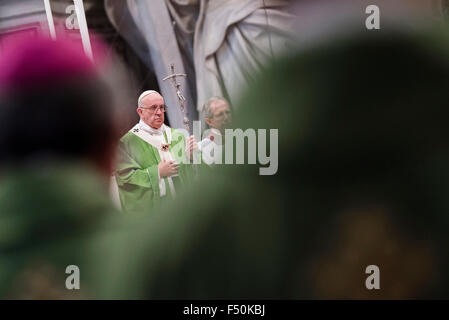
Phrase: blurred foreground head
{"type": "Point", "coordinates": [363, 163]}
{"type": "Point", "coordinates": [56, 137]}
{"type": "Point", "coordinates": [363, 180]}
{"type": "Point", "coordinates": [53, 105]}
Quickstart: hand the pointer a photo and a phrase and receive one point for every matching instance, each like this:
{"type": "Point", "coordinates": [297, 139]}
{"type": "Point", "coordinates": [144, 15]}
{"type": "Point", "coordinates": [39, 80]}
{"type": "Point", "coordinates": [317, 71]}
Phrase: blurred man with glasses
{"type": "Point", "coordinates": [218, 117]}
{"type": "Point", "coordinates": [152, 157]}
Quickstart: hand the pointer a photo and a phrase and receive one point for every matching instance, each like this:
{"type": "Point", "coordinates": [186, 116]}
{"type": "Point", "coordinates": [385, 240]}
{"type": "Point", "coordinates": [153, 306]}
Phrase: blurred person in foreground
{"type": "Point", "coordinates": [363, 180]}
{"type": "Point", "coordinates": [56, 148]}
{"type": "Point", "coordinates": [152, 157]}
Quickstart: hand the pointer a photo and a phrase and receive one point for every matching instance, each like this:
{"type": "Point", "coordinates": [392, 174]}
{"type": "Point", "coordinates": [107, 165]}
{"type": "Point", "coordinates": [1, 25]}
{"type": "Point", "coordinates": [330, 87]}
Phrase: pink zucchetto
{"type": "Point", "coordinates": [36, 61]}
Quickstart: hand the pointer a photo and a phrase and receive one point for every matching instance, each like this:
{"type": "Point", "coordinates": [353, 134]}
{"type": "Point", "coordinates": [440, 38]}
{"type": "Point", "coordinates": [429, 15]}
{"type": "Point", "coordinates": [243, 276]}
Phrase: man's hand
{"type": "Point", "coordinates": [167, 168]}
{"type": "Point", "coordinates": [191, 145]}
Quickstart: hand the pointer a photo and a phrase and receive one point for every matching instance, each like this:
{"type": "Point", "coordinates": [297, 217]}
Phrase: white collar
{"type": "Point", "coordinates": [151, 130]}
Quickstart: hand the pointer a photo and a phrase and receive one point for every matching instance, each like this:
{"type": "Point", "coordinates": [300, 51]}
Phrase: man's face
{"type": "Point", "coordinates": [151, 110]}
{"type": "Point", "coordinates": [221, 115]}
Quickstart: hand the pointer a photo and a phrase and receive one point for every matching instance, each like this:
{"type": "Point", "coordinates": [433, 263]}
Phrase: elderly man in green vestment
{"type": "Point", "coordinates": [153, 158]}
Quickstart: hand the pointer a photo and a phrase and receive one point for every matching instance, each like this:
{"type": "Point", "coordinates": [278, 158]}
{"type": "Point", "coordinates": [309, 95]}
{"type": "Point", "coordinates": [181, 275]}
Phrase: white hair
{"type": "Point", "coordinates": [144, 94]}
{"type": "Point", "coordinates": [207, 106]}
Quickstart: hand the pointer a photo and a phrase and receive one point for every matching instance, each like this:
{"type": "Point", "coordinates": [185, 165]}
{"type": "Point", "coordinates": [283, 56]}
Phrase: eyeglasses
{"type": "Point", "coordinates": [222, 114]}
{"type": "Point", "coordinates": [154, 109]}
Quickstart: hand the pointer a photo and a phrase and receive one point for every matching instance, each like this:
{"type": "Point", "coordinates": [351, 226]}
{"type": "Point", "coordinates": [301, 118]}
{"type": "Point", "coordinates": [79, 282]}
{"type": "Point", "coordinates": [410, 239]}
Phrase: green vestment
{"type": "Point", "coordinates": [137, 171]}
{"type": "Point", "coordinates": [49, 217]}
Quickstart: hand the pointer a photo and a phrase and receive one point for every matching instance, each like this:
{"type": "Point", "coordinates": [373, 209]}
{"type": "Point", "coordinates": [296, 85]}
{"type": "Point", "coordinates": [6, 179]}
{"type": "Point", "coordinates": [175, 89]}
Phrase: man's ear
{"type": "Point", "coordinates": [139, 111]}
{"type": "Point", "coordinates": [208, 121]}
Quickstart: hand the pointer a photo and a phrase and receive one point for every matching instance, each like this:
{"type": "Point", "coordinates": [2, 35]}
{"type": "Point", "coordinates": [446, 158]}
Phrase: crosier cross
{"type": "Point", "coordinates": [181, 98]}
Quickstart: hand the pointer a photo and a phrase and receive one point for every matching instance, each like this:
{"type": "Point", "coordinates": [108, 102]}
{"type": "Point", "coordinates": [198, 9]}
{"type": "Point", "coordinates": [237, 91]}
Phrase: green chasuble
{"type": "Point", "coordinates": [50, 216]}
{"type": "Point", "coordinates": [137, 170]}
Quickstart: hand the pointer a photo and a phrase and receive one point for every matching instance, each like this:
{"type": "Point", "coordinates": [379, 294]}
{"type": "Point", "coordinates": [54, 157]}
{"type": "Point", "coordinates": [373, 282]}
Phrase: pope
{"type": "Point", "coordinates": [152, 158]}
